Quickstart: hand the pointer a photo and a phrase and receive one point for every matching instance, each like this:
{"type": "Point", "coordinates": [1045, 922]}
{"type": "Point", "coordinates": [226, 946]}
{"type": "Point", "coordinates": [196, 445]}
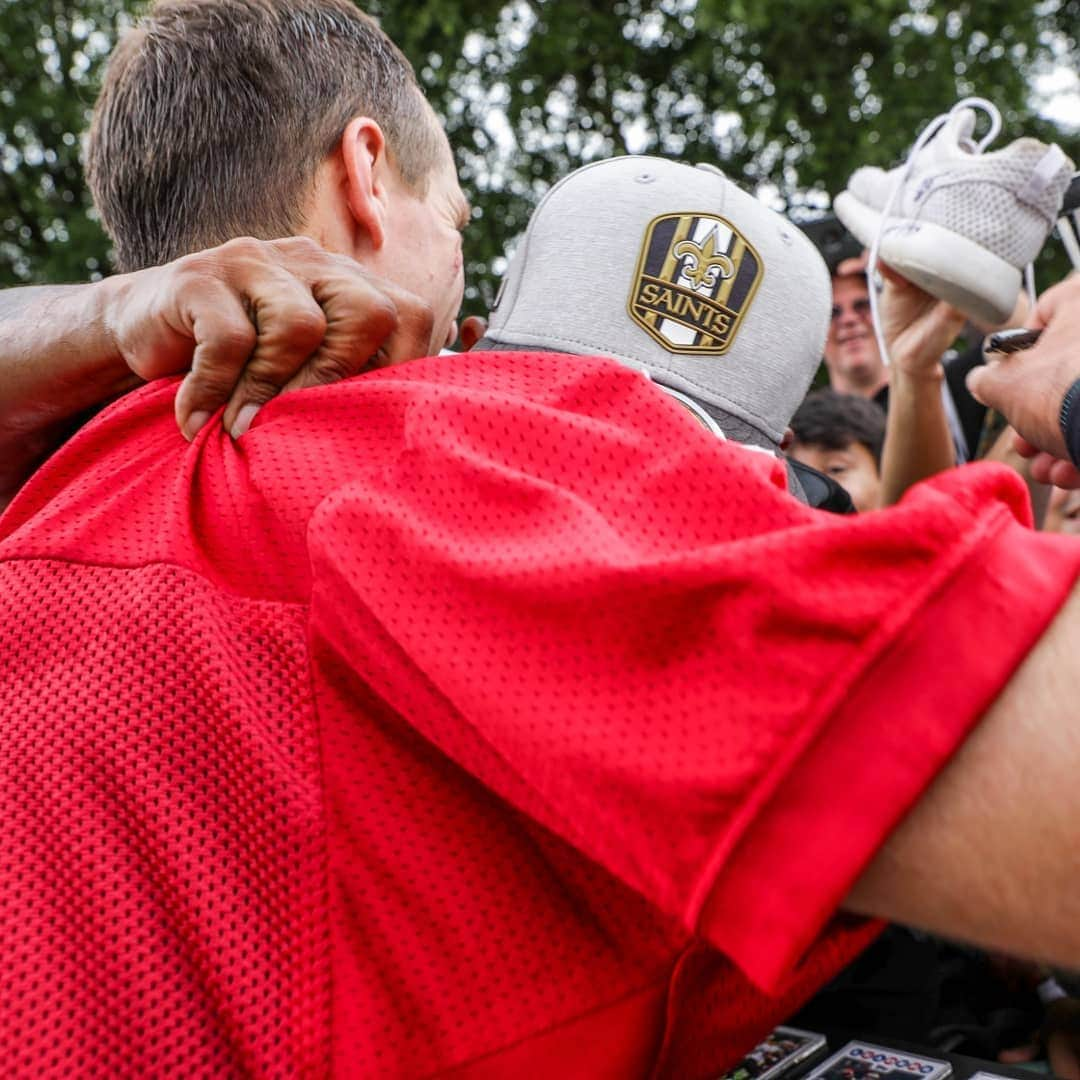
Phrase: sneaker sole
{"type": "Point", "coordinates": [943, 263]}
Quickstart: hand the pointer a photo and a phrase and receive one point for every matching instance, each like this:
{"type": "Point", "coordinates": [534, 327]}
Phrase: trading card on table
{"type": "Point", "coordinates": [777, 1054]}
{"type": "Point", "coordinates": [864, 1061]}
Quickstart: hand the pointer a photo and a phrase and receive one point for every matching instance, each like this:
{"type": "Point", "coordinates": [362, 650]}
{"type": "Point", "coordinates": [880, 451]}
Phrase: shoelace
{"type": "Point", "coordinates": [976, 147]}
{"type": "Point", "coordinates": [1069, 222]}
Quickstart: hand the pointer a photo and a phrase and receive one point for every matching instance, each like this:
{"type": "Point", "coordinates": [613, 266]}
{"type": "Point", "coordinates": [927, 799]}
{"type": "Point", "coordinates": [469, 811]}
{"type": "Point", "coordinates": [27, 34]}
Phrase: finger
{"type": "Point", "coordinates": [897, 279]}
{"type": "Point", "coordinates": [473, 328]}
{"type": "Point", "coordinates": [290, 327]}
{"type": "Point", "coordinates": [359, 319]}
{"type": "Point", "coordinates": [224, 339]}
{"type": "Point", "coordinates": [1047, 469]}
{"type": "Point", "coordinates": [946, 323]}
{"type": "Point", "coordinates": [1023, 447]}
{"type": "Point", "coordinates": [370, 320]}
{"type": "Point", "coordinates": [1063, 474]}
{"type": "Point", "coordinates": [989, 383]}
{"type": "Point", "coordinates": [411, 335]}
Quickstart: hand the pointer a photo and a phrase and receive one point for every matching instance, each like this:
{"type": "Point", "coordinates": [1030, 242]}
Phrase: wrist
{"type": "Point", "coordinates": [80, 357]}
{"type": "Point", "coordinates": [916, 357]}
{"type": "Point", "coordinates": [917, 370]}
{"type": "Point", "coordinates": [1069, 421]}
{"type": "Point", "coordinates": [107, 301]}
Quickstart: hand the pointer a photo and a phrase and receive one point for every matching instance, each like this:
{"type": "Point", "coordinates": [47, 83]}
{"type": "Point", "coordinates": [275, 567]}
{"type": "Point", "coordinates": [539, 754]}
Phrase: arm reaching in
{"type": "Point", "coordinates": [989, 853]}
{"type": "Point", "coordinates": [246, 320]}
{"type": "Point", "coordinates": [1028, 387]}
{"type": "Point", "coordinates": [918, 329]}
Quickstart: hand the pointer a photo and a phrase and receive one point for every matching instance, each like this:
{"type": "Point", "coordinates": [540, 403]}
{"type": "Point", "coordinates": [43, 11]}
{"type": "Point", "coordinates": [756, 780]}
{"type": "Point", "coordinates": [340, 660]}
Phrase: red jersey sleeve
{"type": "Point", "coordinates": [623, 628]}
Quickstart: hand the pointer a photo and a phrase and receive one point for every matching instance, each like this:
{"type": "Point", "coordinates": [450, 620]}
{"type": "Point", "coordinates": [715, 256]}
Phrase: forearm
{"type": "Point", "coordinates": [56, 361]}
{"type": "Point", "coordinates": [918, 442]}
{"type": "Point", "coordinates": [989, 854]}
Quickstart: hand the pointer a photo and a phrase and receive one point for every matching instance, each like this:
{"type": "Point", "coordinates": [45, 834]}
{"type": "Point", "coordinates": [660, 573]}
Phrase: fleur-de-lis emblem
{"type": "Point", "coordinates": [705, 263]}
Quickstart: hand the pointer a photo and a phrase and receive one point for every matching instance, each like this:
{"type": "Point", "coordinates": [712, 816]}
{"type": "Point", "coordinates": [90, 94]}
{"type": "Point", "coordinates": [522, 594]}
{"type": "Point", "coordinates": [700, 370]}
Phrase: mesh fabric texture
{"type": "Point", "coordinates": [459, 712]}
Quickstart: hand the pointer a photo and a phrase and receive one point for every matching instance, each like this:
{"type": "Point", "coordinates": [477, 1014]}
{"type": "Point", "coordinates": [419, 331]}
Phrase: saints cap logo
{"type": "Point", "coordinates": [695, 278]}
{"type": "Point", "coordinates": [702, 264]}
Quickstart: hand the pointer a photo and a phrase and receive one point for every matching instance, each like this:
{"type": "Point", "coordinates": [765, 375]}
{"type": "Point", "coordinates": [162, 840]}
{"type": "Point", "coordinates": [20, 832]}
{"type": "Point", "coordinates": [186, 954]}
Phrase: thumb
{"type": "Point", "coordinates": [982, 382]}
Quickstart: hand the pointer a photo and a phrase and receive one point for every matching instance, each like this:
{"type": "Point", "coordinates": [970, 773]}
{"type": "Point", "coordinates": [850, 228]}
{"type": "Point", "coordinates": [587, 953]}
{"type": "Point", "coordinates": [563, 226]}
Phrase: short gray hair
{"type": "Point", "coordinates": [214, 116]}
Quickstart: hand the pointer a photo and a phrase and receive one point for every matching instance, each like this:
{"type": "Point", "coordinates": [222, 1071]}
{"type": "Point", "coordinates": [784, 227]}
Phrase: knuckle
{"type": "Point", "coordinates": [219, 262]}
{"type": "Point", "coordinates": [413, 309]}
{"type": "Point", "coordinates": [304, 245]}
{"type": "Point", "coordinates": [306, 326]}
{"type": "Point", "coordinates": [244, 247]}
{"type": "Point", "coordinates": [347, 265]}
{"type": "Point", "coordinates": [197, 265]}
{"type": "Point", "coordinates": [382, 314]}
{"type": "Point", "coordinates": [365, 314]}
{"type": "Point", "coordinates": [236, 338]}
{"type": "Point", "coordinates": [419, 317]}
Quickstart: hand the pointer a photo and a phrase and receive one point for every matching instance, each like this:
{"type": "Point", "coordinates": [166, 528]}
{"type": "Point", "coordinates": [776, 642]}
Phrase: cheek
{"type": "Point", "coordinates": [863, 485]}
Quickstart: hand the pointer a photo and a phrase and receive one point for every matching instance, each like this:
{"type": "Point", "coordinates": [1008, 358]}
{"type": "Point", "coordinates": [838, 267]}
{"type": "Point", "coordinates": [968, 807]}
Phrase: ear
{"type": "Point", "coordinates": [363, 151]}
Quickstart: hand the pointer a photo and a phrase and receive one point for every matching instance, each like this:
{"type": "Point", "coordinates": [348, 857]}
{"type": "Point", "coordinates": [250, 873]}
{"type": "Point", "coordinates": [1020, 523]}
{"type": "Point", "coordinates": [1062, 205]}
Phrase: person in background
{"type": "Point", "coordinates": [855, 365]}
{"type": "Point", "coordinates": [841, 435]}
{"type": "Point", "coordinates": [851, 355]}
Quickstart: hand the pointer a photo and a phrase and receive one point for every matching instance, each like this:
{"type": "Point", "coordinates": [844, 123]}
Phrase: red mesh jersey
{"type": "Point", "coordinates": [485, 714]}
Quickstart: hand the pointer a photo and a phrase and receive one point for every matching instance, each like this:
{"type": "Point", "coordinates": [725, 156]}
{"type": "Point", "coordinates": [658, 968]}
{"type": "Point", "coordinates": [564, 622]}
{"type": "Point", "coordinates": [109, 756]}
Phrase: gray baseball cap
{"type": "Point", "coordinates": [673, 269]}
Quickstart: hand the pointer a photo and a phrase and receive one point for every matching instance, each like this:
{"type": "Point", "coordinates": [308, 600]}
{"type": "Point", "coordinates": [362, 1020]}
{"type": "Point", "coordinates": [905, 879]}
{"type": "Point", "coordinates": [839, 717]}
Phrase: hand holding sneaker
{"type": "Point", "coordinates": [961, 223]}
{"type": "Point", "coordinates": [918, 328]}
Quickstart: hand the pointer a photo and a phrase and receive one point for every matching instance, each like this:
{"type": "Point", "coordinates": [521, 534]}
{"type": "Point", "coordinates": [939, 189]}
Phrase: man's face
{"type": "Point", "coordinates": [851, 352]}
{"type": "Point", "coordinates": [853, 467]}
{"type": "Point", "coordinates": [423, 244]}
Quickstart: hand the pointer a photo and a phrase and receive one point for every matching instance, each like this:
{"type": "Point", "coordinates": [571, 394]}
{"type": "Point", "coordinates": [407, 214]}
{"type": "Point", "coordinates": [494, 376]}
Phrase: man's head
{"type": "Point", "coordinates": [852, 356]}
{"type": "Point", "coordinates": [841, 435]}
{"type": "Point", "coordinates": [673, 269]}
{"type": "Point", "coordinates": [267, 118]}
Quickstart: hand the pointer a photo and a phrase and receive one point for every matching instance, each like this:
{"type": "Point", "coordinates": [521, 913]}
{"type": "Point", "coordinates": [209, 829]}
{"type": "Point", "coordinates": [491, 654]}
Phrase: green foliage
{"type": "Point", "coordinates": [789, 96]}
{"type": "Point", "coordinates": [50, 55]}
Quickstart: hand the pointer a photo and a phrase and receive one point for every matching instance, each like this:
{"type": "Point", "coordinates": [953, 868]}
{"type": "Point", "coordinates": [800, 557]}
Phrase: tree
{"type": "Point", "coordinates": [50, 56]}
{"type": "Point", "coordinates": [788, 96]}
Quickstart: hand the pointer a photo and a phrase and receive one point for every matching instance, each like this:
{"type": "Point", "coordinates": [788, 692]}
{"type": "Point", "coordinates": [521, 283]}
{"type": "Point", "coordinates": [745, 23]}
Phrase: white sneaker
{"type": "Point", "coordinates": [960, 223]}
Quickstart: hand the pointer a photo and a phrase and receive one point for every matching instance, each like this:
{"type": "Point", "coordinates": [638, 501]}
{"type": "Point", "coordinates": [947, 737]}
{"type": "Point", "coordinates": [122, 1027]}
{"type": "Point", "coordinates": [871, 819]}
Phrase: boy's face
{"type": "Point", "coordinates": [853, 467]}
